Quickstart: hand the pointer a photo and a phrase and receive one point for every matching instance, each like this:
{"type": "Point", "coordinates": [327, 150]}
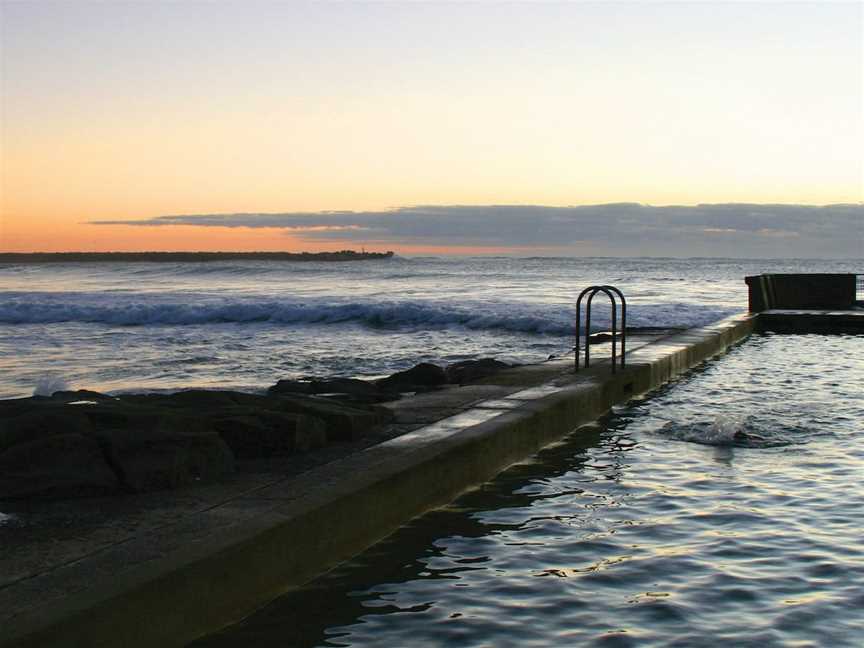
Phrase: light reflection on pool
{"type": "Point", "coordinates": [627, 535]}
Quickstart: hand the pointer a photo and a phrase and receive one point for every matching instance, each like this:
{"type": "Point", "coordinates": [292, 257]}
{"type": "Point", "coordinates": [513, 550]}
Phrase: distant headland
{"type": "Point", "coordinates": [184, 257]}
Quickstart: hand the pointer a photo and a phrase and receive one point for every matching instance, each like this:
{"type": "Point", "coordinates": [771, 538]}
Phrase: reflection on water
{"type": "Point", "coordinates": [625, 536]}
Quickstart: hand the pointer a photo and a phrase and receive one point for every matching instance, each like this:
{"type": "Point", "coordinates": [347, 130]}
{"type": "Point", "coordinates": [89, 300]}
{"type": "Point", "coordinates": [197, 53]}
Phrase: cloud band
{"type": "Point", "coordinates": [616, 229]}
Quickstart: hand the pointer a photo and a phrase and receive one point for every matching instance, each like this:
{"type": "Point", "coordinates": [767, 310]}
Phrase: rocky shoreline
{"type": "Point", "coordinates": [83, 443]}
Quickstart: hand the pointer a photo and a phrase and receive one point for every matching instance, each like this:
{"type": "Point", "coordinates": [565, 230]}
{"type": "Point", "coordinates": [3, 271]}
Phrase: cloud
{"type": "Point", "coordinates": [613, 229]}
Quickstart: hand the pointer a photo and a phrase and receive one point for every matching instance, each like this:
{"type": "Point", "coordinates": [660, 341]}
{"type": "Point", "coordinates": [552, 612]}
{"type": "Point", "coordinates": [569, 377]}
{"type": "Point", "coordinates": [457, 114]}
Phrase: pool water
{"type": "Point", "coordinates": [656, 527]}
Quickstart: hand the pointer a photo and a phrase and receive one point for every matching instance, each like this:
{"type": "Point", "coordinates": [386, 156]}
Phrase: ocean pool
{"type": "Point", "coordinates": [656, 527]}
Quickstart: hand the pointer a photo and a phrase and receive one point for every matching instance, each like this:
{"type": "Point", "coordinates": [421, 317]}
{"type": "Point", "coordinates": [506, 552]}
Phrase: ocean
{"type": "Point", "coordinates": [119, 327]}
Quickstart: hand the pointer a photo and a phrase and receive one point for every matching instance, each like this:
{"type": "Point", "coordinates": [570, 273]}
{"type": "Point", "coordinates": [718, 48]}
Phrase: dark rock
{"type": "Point", "coordinates": [152, 447]}
{"type": "Point", "coordinates": [94, 444]}
{"type": "Point", "coordinates": [17, 406]}
{"type": "Point", "coordinates": [161, 457]}
{"type": "Point", "coordinates": [79, 395]}
{"type": "Point", "coordinates": [471, 370]}
{"type": "Point", "coordinates": [344, 422]}
{"type": "Point", "coordinates": [44, 421]}
{"type": "Point", "coordinates": [352, 390]}
{"type": "Point", "coordinates": [347, 389]}
{"type": "Point", "coordinates": [267, 434]}
{"type": "Point", "coordinates": [291, 387]}
{"type": "Point", "coordinates": [196, 400]}
{"type": "Point", "coordinates": [65, 465]}
{"type": "Point", "coordinates": [421, 377]}
{"type": "Point", "coordinates": [362, 400]}
{"type": "Point", "coordinates": [345, 386]}
{"type": "Point", "coordinates": [117, 416]}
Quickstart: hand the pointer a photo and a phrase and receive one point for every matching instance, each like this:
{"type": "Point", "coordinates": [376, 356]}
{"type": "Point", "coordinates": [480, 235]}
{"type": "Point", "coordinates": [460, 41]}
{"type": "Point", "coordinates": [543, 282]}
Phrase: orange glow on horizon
{"type": "Point", "coordinates": [116, 111]}
{"type": "Point", "coordinates": [48, 236]}
{"type": "Point", "coordinates": [61, 237]}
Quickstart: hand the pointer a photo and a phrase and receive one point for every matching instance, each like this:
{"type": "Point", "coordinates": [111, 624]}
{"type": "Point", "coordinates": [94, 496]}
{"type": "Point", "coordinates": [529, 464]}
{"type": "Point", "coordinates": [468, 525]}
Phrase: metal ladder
{"type": "Point", "coordinates": [591, 291]}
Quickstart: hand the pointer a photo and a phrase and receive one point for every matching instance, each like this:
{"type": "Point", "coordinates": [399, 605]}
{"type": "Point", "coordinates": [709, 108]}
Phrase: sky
{"type": "Point", "coordinates": [614, 128]}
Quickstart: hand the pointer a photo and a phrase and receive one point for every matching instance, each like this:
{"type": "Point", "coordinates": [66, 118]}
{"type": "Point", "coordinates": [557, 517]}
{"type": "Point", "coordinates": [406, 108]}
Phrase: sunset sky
{"type": "Point", "coordinates": [460, 127]}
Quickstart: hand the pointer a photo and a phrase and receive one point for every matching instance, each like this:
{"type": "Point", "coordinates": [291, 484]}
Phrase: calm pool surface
{"type": "Point", "coordinates": [656, 528]}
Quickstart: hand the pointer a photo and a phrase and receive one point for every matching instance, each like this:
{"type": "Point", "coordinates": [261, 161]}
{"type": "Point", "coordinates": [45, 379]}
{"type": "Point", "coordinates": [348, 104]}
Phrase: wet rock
{"type": "Point", "coordinates": [161, 457]}
{"type": "Point", "coordinates": [361, 400]}
{"type": "Point", "coordinates": [344, 389]}
{"type": "Point", "coordinates": [48, 420]}
{"type": "Point", "coordinates": [149, 442]}
{"type": "Point", "coordinates": [267, 434]}
{"type": "Point", "coordinates": [291, 387]}
{"type": "Point", "coordinates": [470, 370]}
{"type": "Point", "coordinates": [65, 465]}
{"type": "Point", "coordinates": [351, 386]}
{"type": "Point", "coordinates": [305, 433]}
{"type": "Point", "coordinates": [124, 416]}
{"type": "Point", "coordinates": [200, 400]}
{"type": "Point", "coordinates": [79, 396]}
{"type": "Point", "coordinates": [144, 447]}
{"type": "Point", "coordinates": [421, 377]}
{"type": "Point", "coordinates": [343, 422]}
{"type": "Point", "coordinates": [17, 406]}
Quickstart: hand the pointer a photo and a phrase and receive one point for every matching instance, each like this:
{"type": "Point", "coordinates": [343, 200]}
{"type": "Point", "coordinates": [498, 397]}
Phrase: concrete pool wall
{"type": "Point", "coordinates": [192, 577]}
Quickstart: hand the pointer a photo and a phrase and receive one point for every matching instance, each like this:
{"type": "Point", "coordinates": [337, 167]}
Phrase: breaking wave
{"type": "Point", "coordinates": [47, 385]}
{"type": "Point", "coordinates": [524, 317]}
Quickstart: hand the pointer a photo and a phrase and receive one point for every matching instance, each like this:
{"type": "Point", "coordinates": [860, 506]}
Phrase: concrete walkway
{"type": "Point", "coordinates": [163, 569]}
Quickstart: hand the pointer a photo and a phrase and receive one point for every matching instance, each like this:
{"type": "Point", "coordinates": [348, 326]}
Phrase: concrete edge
{"type": "Point", "coordinates": [338, 510]}
{"type": "Point", "coordinates": [812, 321]}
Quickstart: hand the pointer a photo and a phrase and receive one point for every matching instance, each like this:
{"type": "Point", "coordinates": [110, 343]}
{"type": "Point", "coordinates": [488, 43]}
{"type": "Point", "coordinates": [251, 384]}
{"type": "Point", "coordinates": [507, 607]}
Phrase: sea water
{"type": "Point", "coordinates": [654, 528]}
{"type": "Point", "coordinates": [246, 324]}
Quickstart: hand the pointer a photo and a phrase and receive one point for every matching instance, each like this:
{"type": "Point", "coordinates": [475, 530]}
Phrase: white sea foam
{"type": "Point", "coordinates": [520, 317]}
{"type": "Point", "coordinates": [726, 430]}
{"type": "Point", "coordinates": [50, 384]}
{"type": "Point", "coordinates": [173, 325]}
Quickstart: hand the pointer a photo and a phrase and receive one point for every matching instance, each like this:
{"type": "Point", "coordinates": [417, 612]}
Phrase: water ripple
{"type": "Point", "coordinates": [686, 545]}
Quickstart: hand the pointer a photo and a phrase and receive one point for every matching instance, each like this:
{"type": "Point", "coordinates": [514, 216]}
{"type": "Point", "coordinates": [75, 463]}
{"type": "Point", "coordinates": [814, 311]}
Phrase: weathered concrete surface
{"type": "Point", "coordinates": [211, 561]}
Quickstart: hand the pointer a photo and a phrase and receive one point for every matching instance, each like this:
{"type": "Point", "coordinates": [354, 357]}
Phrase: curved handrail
{"type": "Point", "coordinates": [623, 322]}
{"type": "Point", "coordinates": [592, 291]}
{"type": "Point", "coordinates": [588, 323]}
{"type": "Point", "coordinates": [579, 325]}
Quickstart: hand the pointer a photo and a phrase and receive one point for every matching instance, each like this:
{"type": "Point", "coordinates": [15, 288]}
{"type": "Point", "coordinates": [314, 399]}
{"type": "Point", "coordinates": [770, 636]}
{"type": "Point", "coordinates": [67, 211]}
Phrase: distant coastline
{"type": "Point", "coordinates": [185, 257]}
